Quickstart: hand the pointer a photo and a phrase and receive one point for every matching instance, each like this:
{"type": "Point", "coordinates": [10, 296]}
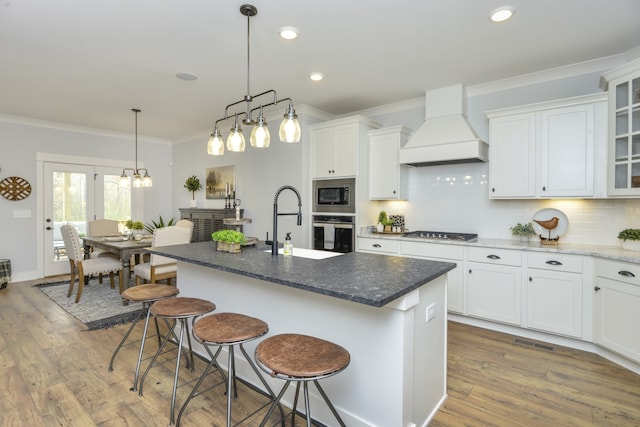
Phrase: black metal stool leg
{"type": "Point", "coordinates": [275, 403]}
{"type": "Point", "coordinates": [126, 336]}
{"type": "Point", "coordinates": [155, 357]}
{"type": "Point", "coordinates": [307, 408]}
{"type": "Point", "coordinates": [144, 338]}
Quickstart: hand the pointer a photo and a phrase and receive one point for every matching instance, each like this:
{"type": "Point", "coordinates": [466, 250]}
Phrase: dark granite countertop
{"type": "Point", "coordinates": [369, 279]}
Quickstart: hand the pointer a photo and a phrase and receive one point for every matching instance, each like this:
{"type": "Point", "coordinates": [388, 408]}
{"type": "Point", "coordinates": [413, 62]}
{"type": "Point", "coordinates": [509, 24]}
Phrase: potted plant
{"type": "Point", "coordinates": [630, 239]}
{"type": "Point", "coordinates": [228, 240]}
{"type": "Point", "coordinates": [159, 224]}
{"type": "Point", "coordinates": [382, 221]}
{"type": "Point", "coordinates": [193, 184]}
{"type": "Point", "coordinates": [523, 231]}
{"type": "Point", "coordinates": [136, 227]}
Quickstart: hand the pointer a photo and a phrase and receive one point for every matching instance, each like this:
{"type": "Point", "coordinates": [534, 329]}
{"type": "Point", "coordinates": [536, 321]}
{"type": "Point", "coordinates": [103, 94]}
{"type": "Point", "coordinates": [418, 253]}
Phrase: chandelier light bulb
{"type": "Point", "coordinates": [235, 140]}
{"type": "Point", "coordinates": [260, 136]}
{"type": "Point", "coordinates": [290, 128]}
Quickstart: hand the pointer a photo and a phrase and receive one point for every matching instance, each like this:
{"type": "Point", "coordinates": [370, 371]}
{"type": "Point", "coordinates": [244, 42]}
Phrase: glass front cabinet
{"type": "Point", "coordinates": [624, 131]}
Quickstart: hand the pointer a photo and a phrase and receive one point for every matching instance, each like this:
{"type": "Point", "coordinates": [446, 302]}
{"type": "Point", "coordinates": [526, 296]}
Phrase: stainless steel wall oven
{"type": "Point", "coordinates": [334, 233]}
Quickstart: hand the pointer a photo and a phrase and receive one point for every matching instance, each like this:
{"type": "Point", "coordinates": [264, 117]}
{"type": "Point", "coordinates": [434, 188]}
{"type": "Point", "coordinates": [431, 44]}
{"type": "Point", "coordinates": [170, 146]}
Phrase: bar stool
{"type": "Point", "coordinates": [147, 295]}
{"type": "Point", "coordinates": [180, 310]}
{"type": "Point", "coordinates": [227, 330]}
{"type": "Point", "coordinates": [301, 358]}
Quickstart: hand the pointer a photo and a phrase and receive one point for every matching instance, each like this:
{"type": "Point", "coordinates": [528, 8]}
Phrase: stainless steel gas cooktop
{"type": "Point", "coordinates": [442, 235]}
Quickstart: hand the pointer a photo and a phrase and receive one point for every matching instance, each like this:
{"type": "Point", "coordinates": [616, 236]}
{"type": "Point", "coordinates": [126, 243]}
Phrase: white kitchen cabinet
{"type": "Point", "coordinates": [624, 130]}
{"type": "Point", "coordinates": [617, 308]}
{"type": "Point", "coordinates": [444, 253]}
{"type": "Point", "coordinates": [338, 148]}
{"type": "Point", "coordinates": [548, 150]}
{"type": "Point", "coordinates": [384, 246]}
{"type": "Point", "coordinates": [495, 285]}
{"type": "Point", "coordinates": [388, 180]}
{"type": "Point", "coordinates": [554, 293]}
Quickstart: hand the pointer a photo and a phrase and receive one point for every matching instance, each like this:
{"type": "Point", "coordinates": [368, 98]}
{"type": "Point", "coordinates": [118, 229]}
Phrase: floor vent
{"type": "Point", "coordinates": [538, 345]}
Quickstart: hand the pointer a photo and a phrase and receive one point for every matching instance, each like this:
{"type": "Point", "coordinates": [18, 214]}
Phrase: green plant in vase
{"type": "Point", "coordinates": [228, 240]}
{"type": "Point", "coordinates": [193, 184]}
{"type": "Point", "coordinates": [630, 239]}
{"type": "Point", "coordinates": [523, 231]}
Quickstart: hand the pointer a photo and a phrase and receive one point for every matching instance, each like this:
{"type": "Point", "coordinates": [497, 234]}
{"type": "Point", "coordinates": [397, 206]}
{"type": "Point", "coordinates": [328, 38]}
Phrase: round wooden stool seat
{"type": "Point", "coordinates": [149, 292]}
{"type": "Point", "coordinates": [301, 356]}
{"type": "Point", "coordinates": [179, 307]}
{"type": "Point", "coordinates": [228, 328]}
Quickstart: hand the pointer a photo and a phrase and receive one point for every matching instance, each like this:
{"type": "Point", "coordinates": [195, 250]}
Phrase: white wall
{"type": "Point", "coordinates": [21, 139]}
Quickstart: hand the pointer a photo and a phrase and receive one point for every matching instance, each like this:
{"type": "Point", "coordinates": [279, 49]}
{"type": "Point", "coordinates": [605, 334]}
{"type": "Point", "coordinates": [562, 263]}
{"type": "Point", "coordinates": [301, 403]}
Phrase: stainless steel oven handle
{"type": "Point", "coordinates": [335, 225]}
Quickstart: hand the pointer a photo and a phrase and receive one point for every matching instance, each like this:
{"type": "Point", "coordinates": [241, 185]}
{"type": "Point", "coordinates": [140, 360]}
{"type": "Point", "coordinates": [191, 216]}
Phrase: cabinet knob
{"type": "Point", "coordinates": [597, 288]}
{"type": "Point", "coordinates": [493, 190]}
{"type": "Point", "coordinates": [394, 191]}
{"type": "Point", "coordinates": [626, 273]}
{"type": "Point", "coordinates": [544, 188]}
{"type": "Point", "coordinates": [469, 271]}
{"type": "Point", "coordinates": [530, 279]}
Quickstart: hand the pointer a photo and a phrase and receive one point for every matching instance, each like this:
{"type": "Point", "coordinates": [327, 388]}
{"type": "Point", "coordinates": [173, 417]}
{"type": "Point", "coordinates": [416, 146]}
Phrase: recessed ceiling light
{"type": "Point", "coordinates": [316, 77]}
{"type": "Point", "coordinates": [289, 33]}
{"type": "Point", "coordinates": [503, 13]}
{"type": "Point", "coordinates": [186, 76]}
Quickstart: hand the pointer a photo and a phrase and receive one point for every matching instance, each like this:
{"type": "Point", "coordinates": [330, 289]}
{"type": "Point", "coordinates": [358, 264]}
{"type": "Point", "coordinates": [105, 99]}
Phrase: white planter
{"type": "Point", "coordinates": [193, 203]}
{"type": "Point", "coordinates": [631, 245]}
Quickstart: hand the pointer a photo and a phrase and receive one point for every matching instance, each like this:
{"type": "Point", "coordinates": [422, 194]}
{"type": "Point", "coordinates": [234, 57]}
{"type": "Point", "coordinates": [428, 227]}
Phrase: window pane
{"type": "Point", "coordinates": [117, 198]}
{"type": "Point", "coordinates": [70, 199]}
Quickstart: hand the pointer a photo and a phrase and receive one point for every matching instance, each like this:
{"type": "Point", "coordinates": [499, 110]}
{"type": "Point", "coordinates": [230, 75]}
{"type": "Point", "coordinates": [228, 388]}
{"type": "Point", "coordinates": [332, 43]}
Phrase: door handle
{"type": "Point", "coordinates": [49, 228]}
{"type": "Point", "coordinates": [597, 288]}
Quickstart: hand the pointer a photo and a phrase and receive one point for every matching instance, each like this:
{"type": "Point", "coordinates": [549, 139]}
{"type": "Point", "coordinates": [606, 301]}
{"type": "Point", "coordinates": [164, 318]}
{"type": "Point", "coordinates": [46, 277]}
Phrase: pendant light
{"type": "Point", "coordinates": [139, 180]}
{"type": "Point", "coordinates": [260, 136]}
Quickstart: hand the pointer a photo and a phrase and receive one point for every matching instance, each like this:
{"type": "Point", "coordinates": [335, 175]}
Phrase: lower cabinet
{"type": "Point", "coordinates": [383, 246]}
{"type": "Point", "coordinates": [617, 308]}
{"type": "Point", "coordinates": [495, 285]}
{"type": "Point", "coordinates": [444, 253]}
{"type": "Point", "coordinates": [554, 293]}
{"type": "Point", "coordinates": [206, 221]}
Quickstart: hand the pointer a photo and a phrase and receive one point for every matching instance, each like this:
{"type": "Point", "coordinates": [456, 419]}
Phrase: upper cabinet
{"type": "Point", "coordinates": [549, 150]}
{"type": "Point", "coordinates": [624, 133]}
{"type": "Point", "coordinates": [388, 180]}
{"type": "Point", "coordinates": [338, 147]}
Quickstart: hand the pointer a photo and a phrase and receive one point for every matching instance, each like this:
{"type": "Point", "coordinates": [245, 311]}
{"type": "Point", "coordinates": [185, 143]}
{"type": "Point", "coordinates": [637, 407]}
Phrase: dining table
{"type": "Point", "coordinates": [120, 246]}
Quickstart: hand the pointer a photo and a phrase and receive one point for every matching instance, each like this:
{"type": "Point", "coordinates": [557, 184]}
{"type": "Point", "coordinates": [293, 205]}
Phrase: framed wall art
{"type": "Point", "coordinates": [220, 182]}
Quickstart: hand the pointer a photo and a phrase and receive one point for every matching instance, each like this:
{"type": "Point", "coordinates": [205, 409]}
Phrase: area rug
{"type": "Point", "coordinates": [99, 307]}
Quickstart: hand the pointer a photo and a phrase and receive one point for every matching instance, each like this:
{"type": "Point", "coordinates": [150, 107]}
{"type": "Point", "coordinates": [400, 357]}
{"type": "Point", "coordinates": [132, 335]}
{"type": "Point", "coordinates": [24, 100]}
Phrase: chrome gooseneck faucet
{"type": "Point", "coordinates": [276, 214]}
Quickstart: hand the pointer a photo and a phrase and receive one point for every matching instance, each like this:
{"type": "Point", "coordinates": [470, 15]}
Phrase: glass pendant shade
{"type": "Point", "coordinates": [137, 181]}
{"type": "Point", "coordinates": [235, 141]}
{"type": "Point", "coordinates": [146, 180]}
{"type": "Point", "coordinates": [260, 136]}
{"type": "Point", "coordinates": [290, 128]}
{"type": "Point", "coordinates": [124, 180]}
{"type": "Point", "coordinates": [215, 146]}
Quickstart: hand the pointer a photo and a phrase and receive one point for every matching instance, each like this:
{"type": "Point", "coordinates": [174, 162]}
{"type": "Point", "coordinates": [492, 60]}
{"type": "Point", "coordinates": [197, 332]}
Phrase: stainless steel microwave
{"type": "Point", "coordinates": [334, 195]}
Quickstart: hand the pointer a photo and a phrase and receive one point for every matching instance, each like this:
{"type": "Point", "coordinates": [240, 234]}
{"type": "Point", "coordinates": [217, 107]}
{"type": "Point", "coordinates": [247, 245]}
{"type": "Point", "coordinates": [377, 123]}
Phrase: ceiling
{"type": "Point", "coordinates": [88, 63]}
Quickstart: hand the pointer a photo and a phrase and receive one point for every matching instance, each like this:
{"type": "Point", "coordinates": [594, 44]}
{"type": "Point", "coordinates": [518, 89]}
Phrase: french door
{"type": "Point", "coordinates": [76, 194]}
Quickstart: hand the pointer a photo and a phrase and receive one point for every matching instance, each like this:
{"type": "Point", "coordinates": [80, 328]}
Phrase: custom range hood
{"type": "Point", "coordinates": [445, 137]}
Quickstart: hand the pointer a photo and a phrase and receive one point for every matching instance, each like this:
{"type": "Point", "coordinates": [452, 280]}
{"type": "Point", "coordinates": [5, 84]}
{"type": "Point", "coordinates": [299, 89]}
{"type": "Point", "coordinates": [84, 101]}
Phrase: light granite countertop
{"type": "Point", "coordinates": [615, 253]}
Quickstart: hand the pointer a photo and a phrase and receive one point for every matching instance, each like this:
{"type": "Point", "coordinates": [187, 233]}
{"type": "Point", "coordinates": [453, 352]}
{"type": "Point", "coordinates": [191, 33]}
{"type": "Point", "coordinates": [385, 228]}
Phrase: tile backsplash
{"type": "Point", "coordinates": [456, 198]}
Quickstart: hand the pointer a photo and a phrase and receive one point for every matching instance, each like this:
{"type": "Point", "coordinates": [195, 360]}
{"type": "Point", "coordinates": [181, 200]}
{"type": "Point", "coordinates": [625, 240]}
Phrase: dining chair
{"type": "Point", "coordinates": [187, 224]}
{"type": "Point", "coordinates": [159, 267]}
{"type": "Point", "coordinates": [102, 227]}
{"type": "Point", "coordinates": [87, 267]}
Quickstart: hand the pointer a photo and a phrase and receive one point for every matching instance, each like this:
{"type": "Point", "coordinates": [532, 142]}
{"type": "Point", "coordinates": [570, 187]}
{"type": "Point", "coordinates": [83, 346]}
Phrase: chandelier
{"type": "Point", "coordinates": [139, 180]}
{"type": "Point", "coordinates": [260, 136]}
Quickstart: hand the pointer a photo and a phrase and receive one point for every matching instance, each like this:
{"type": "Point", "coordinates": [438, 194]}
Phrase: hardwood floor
{"type": "Point", "coordinates": [55, 373]}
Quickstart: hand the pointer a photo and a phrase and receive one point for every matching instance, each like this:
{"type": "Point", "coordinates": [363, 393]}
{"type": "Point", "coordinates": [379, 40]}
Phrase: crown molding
{"type": "Point", "coordinates": [28, 121]}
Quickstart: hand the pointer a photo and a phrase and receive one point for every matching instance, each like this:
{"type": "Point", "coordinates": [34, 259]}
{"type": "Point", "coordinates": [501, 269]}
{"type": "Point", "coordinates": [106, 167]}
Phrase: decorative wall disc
{"type": "Point", "coordinates": [15, 188]}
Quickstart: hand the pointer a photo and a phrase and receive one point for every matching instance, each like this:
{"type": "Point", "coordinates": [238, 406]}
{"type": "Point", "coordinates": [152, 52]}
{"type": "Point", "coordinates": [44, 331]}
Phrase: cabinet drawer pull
{"type": "Point", "coordinates": [626, 273]}
{"type": "Point", "coordinates": [493, 257]}
{"type": "Point", "coordinates": [377, 245]}
{"type": "Point", "coordinates": [554, 262]}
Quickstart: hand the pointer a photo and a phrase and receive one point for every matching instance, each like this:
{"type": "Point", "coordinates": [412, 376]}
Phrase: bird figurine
{"type": "Point", "coordinates": [549, 224]}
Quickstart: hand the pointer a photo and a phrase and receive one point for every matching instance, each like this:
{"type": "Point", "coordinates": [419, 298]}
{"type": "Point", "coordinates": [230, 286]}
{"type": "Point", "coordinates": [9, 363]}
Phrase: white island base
{"type": "Point", "coordinates": [397, 375]}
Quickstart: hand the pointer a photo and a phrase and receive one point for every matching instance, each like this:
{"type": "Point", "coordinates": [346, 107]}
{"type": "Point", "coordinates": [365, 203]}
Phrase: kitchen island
{"type": "Point", "coordinates": [373, 305]}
